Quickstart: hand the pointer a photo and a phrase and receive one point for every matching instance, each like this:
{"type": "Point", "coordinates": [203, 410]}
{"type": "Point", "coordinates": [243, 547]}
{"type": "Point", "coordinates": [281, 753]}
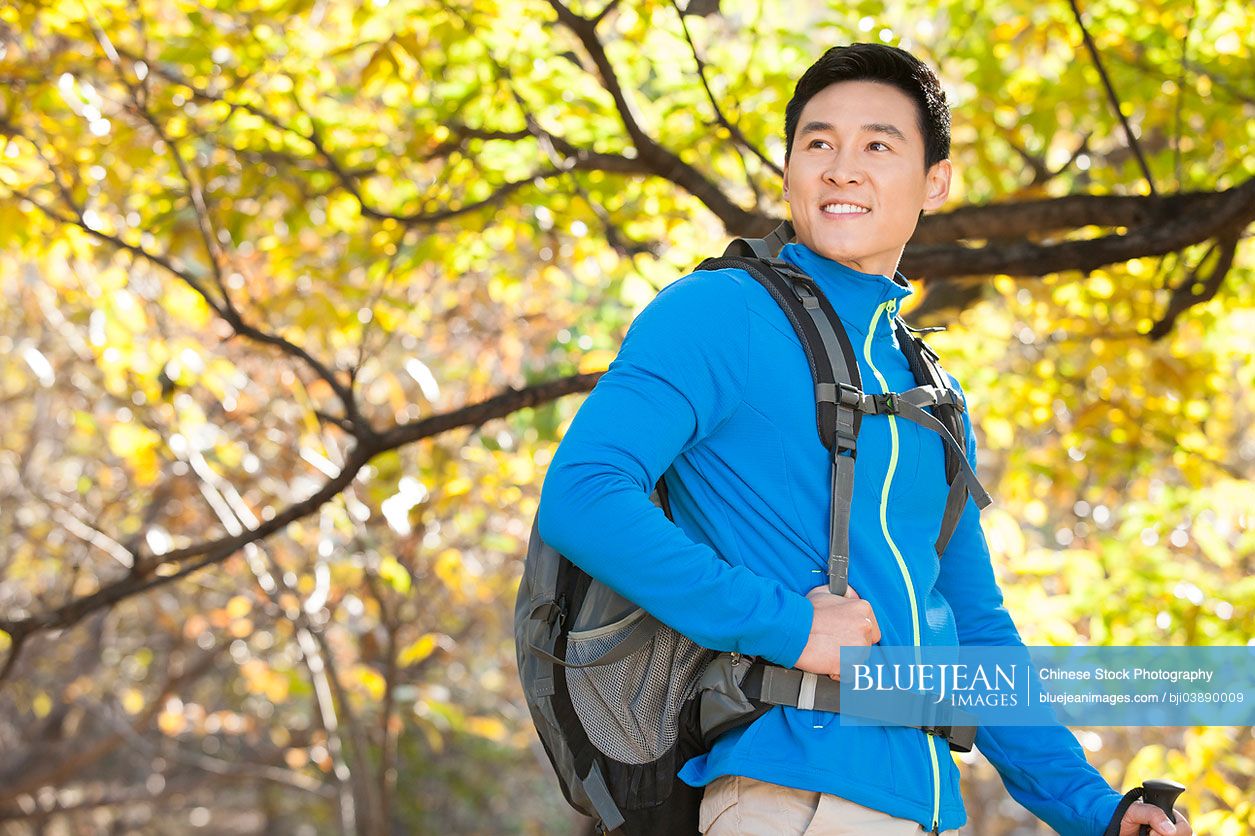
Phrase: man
{"type": "Point", "coordinates": [712, 383]}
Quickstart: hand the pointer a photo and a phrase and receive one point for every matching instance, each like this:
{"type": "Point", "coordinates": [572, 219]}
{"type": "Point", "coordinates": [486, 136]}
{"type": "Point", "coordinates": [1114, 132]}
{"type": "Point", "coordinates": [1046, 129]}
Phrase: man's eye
{"type": "Point", "coordinates": [877, 146]}
{"type": "Point", "coordinates": [818, 142]}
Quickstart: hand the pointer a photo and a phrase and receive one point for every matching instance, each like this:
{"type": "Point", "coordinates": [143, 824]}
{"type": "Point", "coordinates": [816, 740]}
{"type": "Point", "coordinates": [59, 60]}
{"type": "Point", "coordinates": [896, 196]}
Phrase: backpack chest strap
{"type": "Point", "coordinates": [909, 405]}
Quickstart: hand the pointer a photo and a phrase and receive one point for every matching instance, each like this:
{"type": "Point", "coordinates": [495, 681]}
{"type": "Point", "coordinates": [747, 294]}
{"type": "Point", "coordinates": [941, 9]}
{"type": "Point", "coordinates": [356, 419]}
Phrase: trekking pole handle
{"type": "Point", "coordinates": [1163, 794]}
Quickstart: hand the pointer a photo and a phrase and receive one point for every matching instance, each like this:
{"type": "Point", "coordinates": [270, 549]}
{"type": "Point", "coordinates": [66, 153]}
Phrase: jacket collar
{"type": "Point", "coordinates": [854, 295]}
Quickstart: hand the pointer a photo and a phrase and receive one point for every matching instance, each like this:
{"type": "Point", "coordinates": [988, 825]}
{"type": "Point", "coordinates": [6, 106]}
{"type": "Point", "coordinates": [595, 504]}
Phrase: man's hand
{"type": "Point", "coordinates": [1142, 813]}
{"type": "Point", "coordinates": [838, 621]}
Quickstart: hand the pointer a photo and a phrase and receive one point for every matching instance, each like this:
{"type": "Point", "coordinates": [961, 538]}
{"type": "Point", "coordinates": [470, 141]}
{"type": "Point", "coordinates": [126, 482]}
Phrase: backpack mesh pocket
{"type": "Point", "coordinates": [630, 708]}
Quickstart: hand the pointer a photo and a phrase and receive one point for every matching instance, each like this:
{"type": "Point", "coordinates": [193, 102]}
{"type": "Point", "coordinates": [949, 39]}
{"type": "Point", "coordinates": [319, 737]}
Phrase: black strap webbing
{"type": "Point", "coordinates": [775, 685]}
{"type": "Point", "coordinates": [793, 291]}
{"type": "Point", "coordinates": [838, 387]}
{"type": "Point", "coordinates": [926, 366]}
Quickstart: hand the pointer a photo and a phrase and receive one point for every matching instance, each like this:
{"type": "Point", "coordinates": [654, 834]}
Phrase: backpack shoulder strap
{"type": "Point", "coordinates": [766, 248]}
{"type": "Point", "coordinates": [829, 352]}
{"type": "Point", "coordinates": [838, 385]}
{"type": "Point", "coordinates": [926, 367]}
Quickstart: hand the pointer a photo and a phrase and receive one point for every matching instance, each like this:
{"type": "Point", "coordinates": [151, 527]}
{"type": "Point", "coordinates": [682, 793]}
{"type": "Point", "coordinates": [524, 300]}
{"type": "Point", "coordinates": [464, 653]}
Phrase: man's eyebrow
{"type": "Point", "coordinates": [883, 128]}
{"type": "Point", "coordinates": [873, 127]}
{"type": "Point", "coordinates": [815, 127]}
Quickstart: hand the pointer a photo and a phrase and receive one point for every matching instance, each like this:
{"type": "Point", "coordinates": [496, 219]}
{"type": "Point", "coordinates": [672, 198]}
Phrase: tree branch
{"type": "Point", "coordinates": [1192, 290]}
{"type": "Point", "coordinates": [565, 156]}
{"type": "Point", "coordinates": [609, 7]}
{"type": "Point", "coordinates": [659, 160]}
{"type": "Point", "coordinates": [200, 208]}
{"type": "Point", "coordinates": [193, 558]}
{"type": "Point", "coordinates": [474, 415]}
{"type": "Point", "coordinates": [1033, 218]}
{"type": "Point", "coordinates": [165, 262]}
{"type": "Point", "coordinates": [1041, 173]}
{"type": "Point", "coordinates": [1112, 97]}
{"type": "Point", "coordinates": [349, 179]}
{"type": "Point", "coordinates": [735, 131]}
{"type": "Point", "coordinates": [1227, 211]}
{"type": "Point", "coordinates": [236, 516]}
{"type": "Point", "coordinates": [228, 314]}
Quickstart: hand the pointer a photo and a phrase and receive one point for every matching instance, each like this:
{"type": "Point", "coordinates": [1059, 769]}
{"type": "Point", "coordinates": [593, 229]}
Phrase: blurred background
{"type": "Point", "coordinates": [298, 297]}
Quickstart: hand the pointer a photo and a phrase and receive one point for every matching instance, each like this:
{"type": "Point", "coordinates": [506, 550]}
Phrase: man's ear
{"type": "Point", "coordinates": [937, 185]}
{"type": "Point", "coordinates": [784, 174]}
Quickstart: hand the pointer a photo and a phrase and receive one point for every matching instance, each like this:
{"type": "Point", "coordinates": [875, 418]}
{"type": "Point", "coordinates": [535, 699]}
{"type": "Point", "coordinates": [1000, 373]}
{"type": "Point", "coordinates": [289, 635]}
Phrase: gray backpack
{"type": "Point", "coordinates": [620, 700]}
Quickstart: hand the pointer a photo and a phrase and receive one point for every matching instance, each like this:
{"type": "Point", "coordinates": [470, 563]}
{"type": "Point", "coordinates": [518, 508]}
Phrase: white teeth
{"type": "Point", "coordinates": [845, 209]}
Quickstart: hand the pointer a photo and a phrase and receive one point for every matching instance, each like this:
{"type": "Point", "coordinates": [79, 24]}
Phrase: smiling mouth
{"type": "Point", "coordinates": [844, 209]}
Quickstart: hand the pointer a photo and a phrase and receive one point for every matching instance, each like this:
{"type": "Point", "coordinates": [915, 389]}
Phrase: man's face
{"type": "Point", "coordinates": [855, 181]}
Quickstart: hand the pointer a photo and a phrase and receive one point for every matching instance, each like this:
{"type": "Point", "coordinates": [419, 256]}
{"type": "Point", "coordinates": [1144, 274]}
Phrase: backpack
{"type": "Point", "coordinates": [621, 701]}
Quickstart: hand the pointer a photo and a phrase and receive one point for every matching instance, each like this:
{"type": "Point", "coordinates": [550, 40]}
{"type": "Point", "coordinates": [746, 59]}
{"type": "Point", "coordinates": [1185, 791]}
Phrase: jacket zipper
{"type": "Point", "coordinates": [891, 306]}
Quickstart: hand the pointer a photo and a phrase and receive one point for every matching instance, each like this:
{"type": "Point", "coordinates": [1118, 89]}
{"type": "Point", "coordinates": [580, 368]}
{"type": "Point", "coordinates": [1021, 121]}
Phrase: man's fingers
{"type": "Point", "coordinates": [823, 590]}
{"type": "Point", "coordinates": [872, 630]}
{"type": "Point", "coordinates": [1142, 813]}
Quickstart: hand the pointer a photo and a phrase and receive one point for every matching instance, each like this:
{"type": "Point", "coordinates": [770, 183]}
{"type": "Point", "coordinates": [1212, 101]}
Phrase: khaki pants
{"type": "Point", "coordinates": [737, 806]}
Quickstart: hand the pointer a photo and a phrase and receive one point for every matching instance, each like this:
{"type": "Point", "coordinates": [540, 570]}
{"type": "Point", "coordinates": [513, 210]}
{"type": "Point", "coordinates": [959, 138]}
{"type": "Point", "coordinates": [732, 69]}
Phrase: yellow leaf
{"type": "Point", "coordinates": [239, 606]}
{"type": "Point", "coordinates": [372, 681]}
{"type": "Point", "coordinates": [132, 701]}
{"type": "Point", "coordinates": [596, 361]}
{"type": "Point", "coordinates": [128, 311]}
{"type": "Point", "coordinates": [449, 569]}
{"type": "Point", "coordinates": [129, 440]}
{"type": "Point", "coordinates": [999, 432]}
{"type": "Point", "coordinates": [435, 741]}
{"type": "Point", "coordinates": [488, 727]}
{"type": "Point", "coordinates": [394, 574]}
{"type": "Point", "coordinates": [42, 704]}
{"type": "Point", "coordinates": [418, 651]}
{"type": "Point", "coordinates": [277, 688]}
{"type": "Point", "coordinates": [146, 467]}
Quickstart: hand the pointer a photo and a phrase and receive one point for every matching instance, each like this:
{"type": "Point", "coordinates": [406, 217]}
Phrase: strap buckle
{"type": "Point", "coordinates": [550, 612]}
{"type": "Point", "coordinates": [848, 395]}
{"type": "Point", "coordinates": [960, 738]}
{"type": "Point", "coordinates": [841, 394]}
{"type": "Point", "coordinates": [802, 290]}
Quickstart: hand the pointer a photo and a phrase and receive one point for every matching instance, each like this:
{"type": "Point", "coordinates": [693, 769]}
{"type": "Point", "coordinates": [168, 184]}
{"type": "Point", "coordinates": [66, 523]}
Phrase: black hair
{"type": "Point", "coordinates": [887, 65]}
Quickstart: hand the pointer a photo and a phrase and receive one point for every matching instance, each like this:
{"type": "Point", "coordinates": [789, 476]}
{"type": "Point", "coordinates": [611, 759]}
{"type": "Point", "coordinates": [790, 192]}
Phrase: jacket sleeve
{"type": "Point", "coordinates": [1043, 767]}
{"type": "Point", "coordinates": [679, 374]}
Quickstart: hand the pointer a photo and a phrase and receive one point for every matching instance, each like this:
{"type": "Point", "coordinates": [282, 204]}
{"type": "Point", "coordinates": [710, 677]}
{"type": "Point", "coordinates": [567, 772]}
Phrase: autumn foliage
{"type": "Point", "coordinates": [299, 295]}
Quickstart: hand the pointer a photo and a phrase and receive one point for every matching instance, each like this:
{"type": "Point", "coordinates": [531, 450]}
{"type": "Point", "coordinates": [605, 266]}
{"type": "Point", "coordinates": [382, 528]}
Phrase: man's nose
{"type": "Point", "coordinates": [843, 168]}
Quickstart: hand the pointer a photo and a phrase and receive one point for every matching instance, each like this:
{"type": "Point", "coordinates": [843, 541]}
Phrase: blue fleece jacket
{"type": "Point", "coordinates": [711, 382]}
